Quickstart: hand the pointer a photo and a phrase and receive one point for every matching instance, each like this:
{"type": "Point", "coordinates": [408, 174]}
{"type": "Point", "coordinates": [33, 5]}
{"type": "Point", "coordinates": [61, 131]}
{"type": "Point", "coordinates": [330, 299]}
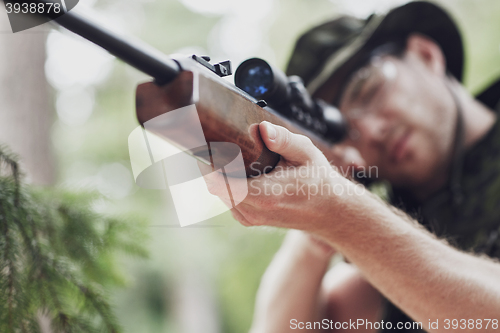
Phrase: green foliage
{"type": "Point", "coordinates": [57, 257]}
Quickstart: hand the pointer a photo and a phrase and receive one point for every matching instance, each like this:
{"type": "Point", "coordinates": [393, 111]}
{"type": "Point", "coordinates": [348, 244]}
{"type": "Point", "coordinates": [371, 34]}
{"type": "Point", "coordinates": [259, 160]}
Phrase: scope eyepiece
{"type": "Point", "coordinates": [262, 81]}
{"type": "Point", "coordinates": [254, 77]}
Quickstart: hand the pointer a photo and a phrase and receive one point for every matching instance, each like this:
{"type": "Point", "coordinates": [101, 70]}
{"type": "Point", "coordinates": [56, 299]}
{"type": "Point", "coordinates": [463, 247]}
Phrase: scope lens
{"type": "Point", "coordinates": [255, 78]}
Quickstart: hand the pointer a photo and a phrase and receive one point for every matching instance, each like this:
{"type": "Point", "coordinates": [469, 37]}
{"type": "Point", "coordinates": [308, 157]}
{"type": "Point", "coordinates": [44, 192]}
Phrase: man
{"type": "Point", "coordinates": [396, 80]}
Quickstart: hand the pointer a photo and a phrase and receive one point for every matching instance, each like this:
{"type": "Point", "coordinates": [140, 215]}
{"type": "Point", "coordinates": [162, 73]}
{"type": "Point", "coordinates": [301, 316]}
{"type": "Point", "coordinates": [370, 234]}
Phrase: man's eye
{"type": "Point", "coordinates": [368, 94]}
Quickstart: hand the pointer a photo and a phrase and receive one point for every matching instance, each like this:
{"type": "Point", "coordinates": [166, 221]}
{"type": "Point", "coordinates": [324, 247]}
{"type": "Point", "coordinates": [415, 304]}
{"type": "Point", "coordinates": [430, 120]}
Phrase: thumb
{"type": "Point", "coordinates": [294, 148]}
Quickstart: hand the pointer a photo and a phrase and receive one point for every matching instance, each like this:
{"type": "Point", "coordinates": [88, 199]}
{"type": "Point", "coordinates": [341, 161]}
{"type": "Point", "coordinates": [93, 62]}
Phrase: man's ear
{"type": "Point", "coordinates": [427, 51]}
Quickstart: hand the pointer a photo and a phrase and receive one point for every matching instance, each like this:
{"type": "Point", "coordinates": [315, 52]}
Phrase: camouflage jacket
{"type": "Point", "coordinates": [469, 220]}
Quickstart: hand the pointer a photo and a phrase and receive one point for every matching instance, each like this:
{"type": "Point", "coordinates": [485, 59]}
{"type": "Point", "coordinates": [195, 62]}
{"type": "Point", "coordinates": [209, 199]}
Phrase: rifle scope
{"type": "Point", "coordinates": [288, 96]}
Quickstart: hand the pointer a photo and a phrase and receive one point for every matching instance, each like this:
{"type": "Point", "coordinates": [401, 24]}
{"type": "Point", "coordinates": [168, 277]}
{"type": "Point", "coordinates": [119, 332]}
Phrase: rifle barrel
{"type": "Point", "coordinates": [140, 56]}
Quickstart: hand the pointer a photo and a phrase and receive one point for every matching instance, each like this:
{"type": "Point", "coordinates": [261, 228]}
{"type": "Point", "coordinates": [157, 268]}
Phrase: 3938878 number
{"type": "Point", "coordinates": [470, 324]}
{"type": "Point", "coordinates": [33, 8]}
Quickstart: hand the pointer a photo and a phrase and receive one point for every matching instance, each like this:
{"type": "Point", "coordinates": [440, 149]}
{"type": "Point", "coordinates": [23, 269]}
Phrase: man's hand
{"type": "Point", "coordinates": [303, 192]}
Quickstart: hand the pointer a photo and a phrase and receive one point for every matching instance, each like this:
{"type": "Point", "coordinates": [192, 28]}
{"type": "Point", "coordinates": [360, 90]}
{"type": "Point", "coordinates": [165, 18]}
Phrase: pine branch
{"type": "Point", "coordinates": [8, 253]}
{"type": "Point", "coordinates": [56, 255]}
{"type": "Point", "coordinates": [9, 269]}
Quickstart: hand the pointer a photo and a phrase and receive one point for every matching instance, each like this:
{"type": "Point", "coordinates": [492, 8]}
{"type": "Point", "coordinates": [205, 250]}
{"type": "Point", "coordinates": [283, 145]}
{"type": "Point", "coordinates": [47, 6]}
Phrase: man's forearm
{"type": "Point", "coordinates": [422, 275]}
{"type": "Point", "coordinates": [290, 287]}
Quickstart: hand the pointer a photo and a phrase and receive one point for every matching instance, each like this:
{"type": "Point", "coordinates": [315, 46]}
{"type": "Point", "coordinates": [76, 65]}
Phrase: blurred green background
{"type": "Point", "coordinates": [202, 278]}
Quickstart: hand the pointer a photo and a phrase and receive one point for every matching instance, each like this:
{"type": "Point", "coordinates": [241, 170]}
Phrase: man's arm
{"type": "Point", "coordinates": [425, 277]}
{"type": "Point", "coordinates": [290, 287]}
{"type": "Point", "coordinates": [350, 297]}
{"type": "Point", "coordinates": [292, 293]}
{"type": "Point", "coordinates": [422, 275]}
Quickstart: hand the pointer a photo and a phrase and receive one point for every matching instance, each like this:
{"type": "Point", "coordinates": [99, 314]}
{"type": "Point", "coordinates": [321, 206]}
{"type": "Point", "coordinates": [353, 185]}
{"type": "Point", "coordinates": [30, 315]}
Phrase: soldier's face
{"type": "Point", "coordinates": [402, 119]}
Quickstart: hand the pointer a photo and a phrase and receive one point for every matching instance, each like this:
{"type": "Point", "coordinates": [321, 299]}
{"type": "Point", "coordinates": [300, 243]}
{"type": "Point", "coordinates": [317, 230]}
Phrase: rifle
{"type": "Point", "coordinates": [226, 112]}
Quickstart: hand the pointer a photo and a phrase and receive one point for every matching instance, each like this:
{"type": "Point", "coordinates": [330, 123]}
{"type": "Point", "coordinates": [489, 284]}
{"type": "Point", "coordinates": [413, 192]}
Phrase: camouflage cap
{"type": "Point", "coordinates": [327, 54]}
